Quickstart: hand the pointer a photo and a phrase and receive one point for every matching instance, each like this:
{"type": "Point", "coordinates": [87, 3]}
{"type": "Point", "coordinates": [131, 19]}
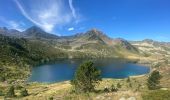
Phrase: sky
{"type": "Point", "coordinates": [128, 19]}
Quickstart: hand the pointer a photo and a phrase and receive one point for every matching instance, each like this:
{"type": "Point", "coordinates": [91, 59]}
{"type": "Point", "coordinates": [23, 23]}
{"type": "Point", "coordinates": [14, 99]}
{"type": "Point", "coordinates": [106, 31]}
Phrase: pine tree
{"type": "Point", "coordinates": [86, 77]}
{"type": "Point", "coordinates": [154, 80]}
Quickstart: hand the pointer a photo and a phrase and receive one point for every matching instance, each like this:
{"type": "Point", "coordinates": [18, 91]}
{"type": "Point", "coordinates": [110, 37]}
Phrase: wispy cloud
{"type": "Point", "coordinates": [76, 15]}
{"type": "Point", "coordinates": [72, 8]}
{"type": "Point", "coordinates": [47, 14]}
{"type": "Point", "coordinates": [71, 29]}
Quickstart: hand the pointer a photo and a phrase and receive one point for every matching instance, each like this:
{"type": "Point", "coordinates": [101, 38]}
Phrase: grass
{"type": "Point", "coordinates": [63, 90]}
{"type": "Point", "coordinates": [156, 95]}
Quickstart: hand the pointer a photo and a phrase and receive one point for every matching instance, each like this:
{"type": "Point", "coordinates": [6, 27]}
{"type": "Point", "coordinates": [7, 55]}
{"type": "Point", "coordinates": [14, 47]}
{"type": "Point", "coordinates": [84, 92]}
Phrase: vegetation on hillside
{"type": "Point", "coordinates": [18, 55]}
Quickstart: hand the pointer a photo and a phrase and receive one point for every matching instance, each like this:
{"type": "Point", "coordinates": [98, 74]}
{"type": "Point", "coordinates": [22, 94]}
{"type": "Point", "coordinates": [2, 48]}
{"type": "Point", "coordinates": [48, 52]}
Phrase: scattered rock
{"type": "Point", "coordinates": [131, 98]}
{"type": "Point", "coordinates": [100, 98]}
{"type": "Point", "coordinates": [122, 98]}
{"type": "Point", "coordinates": [164, 89]}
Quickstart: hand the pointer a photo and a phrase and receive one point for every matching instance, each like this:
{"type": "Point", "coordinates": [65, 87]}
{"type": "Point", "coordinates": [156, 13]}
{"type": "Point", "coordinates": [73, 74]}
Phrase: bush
{"type": "Point", "coordinates": [106, 90]}
{"type": "Point", "coordinates": [51, 98]}
{"type": "Point", "coordinates": [1, 93]}
{"type": "Point", "coordinates": [119, 85]}
{"type": "Point", "coordinates": [154, 80]}
{"type": "Point", "coordinates": [130, 85]}
{"type": "Point", "coordinates": [113, 89]}
{"type": "Point", "coordinates": [10, 92]}
{"type": "Point", "coordinates": [23, 92]}
{"type": "Point", "coordinates": [2, 79]}
{"type": "Point", "coordinates": [86, 77]}
{"type": "Point", "coordinates": [128, 79]}
{"type": "Point", "coordinates": [138, 88]}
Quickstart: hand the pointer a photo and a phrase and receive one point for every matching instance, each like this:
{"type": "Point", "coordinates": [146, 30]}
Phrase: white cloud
{"type": "Point", "coordinates": [13, 24]}
{"type": "Point", "coordinates": [71, 29]}
{"type": "Point", "coordinates": [47, 14]}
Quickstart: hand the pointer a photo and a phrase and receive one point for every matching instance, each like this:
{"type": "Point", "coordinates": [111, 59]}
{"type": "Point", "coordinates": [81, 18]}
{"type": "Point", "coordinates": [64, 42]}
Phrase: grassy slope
{"type": "Point", "coordinates": [63, 91]}
{"type": "Point", "coordinates": [137, 89]}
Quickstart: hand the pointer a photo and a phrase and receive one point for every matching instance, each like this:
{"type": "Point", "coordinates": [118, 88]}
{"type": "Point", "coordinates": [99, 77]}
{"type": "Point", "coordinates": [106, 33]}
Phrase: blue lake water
{"type": "Point", "coordinates": [63, 70]}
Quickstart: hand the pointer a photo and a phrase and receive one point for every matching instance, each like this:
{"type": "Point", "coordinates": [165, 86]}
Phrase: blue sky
{"type": "Point", "coordinates": [129, 19]}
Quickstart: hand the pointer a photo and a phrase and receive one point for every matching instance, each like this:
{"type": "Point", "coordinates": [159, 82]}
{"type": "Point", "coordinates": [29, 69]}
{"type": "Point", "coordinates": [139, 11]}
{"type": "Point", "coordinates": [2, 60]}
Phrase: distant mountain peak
{"type": "Point", "coordinates": [37, 32]}
{"type": "Point", "coordinates": [13, 31]}
{"type": "Point", "coordinates": [10, 32]}
{"type": "Point", "coordinates": [4, 28]}
{"type": "Point", "coordinates": [34, 29]}
{"type": "Point", "coordinates": [148, 40]}
{"type": "Point", "coordinates": [96, 32]}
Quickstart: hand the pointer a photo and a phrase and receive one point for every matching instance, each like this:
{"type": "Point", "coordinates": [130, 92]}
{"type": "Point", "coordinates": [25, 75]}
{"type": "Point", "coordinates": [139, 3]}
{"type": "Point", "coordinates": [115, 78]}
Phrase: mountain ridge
{"type": "Point", "coordinates": [92, 43]}
{"type": "Point", "coordinates": [2, 29]}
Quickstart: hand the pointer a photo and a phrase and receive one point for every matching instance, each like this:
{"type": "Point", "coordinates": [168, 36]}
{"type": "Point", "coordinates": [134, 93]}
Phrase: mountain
{"type": "Point", "coordinates": [124, 44]}
{"type": "Point", "coordinates": [10, 32]}
{"type": "Point", "coordinates": [93, 43]}
{"type": "Point", "coordinates": [97, 44]}
{"type": "Point", "coordinates": [33, 32]}
{"type": "Point", "coordinates": [151, 48]}
{"type": "Point", "coordinates": [98, 36]}
{"type": "Point", "coordinates": [3, 30]}
{"type": "Point", "coordinates": [36, 32]}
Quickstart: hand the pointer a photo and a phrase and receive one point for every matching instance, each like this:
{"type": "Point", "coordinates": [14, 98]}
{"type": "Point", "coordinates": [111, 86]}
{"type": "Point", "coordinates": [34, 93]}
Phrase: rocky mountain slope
{"type": "Point", "coordinates": [153, 48]}
{"type": "Point", "coordinates": [96, 42]}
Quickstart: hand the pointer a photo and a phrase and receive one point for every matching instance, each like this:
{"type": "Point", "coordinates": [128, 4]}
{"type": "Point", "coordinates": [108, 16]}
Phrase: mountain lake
{"type": "Point", "coordinates": [63, 70]}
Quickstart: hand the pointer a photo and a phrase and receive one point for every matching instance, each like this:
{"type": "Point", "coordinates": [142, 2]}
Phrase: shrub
{"type": "Point", "coordinates": [2, 79]}
{"type": "Point", "coordinates": [10, 92]}
{"type": "Point", "coordinates": [106, 89]}
{"type": "Point", "coordinates": [119, 85]}
{"type": "Point", "coordinates": [130, 85]}
{"type": "Point", "coordinates": [1, 93]}
{"type": "Point", "coordinates": [23, 92]}
{"type": "Point", "coordinates": [51, 98]}
{"type": "Point", "coordinates": [113, 89]}
{"type": "Point", "coordinates": [128, 79]}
